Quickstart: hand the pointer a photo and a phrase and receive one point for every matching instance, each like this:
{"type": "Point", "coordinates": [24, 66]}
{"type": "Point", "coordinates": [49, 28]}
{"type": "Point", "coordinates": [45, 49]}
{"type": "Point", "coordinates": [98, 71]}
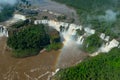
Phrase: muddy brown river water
{"type": "Point", "coordinates": [31, 68]}
{"type": "Point", "coordinates": [39, 67]}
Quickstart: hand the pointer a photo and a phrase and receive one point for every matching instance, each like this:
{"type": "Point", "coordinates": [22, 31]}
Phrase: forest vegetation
{"type": "Point", "coordinates": [92, 43]}
{"type": "Point", "coordinates": [31, 39]}
{"type": "Point", "coordinates": [101, 15]}
{"type": "Point", "coordinates": [104, 17]}
{"type": "Point", "coordinates": [102, 67]}
{"type": "Point", "coordinates": [28, 41]}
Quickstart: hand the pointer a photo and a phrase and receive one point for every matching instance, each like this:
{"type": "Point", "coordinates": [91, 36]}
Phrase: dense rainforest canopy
{"type": "Point", "coordinates": [102, 15]}
{"type": "Point", "coordinates": [102, 67]}
{"type": "Point", "coordinates": [29, 41]}
{"type": "Point", "coordinates": [92, 43]}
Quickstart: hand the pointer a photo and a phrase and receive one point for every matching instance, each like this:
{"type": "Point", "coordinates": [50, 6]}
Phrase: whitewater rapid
{"type": "Point", "coordinates": [71, 52]}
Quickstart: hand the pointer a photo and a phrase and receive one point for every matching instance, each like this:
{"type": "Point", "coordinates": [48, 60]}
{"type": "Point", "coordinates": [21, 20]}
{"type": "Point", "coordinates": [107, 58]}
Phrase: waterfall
{"type": "Point", "coordinates": [3, 31]}
{"type": "Point", "coordinates": [80, 40]}
{"type": "Point", "coordinates": [68, 30]}
{"type": "Point", "coordinates": [70, 53]}
{"type": "Point", "coordinates": [72, 41]}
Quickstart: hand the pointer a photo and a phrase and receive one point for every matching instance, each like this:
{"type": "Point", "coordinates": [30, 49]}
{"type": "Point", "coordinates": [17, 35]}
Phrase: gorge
{"type": "Point", "coordinates": [83, 41]}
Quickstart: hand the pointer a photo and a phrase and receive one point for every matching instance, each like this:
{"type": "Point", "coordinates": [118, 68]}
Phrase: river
{"type": "Point", "coordinates": [56, 7]}
{"type": "Point", "coordinates": [39, 67]}
{"type": "Point", "coordinates": [31, 68]}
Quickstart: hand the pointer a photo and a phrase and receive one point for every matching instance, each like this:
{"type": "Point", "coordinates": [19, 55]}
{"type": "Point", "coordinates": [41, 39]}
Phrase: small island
{"type": "Point", "coordinates": [31, 39]}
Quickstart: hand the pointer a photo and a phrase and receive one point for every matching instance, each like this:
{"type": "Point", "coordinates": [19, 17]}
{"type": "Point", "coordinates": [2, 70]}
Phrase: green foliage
{"type": "Point", "coordinates": [103, 27]}
{"type": "Point", "coordinates": [101, 67]}
{"type": "Point", "coordinates": [54, 46]}
{"type": "Point", "coordinates": [25, 53]}
{"type": "Point", "coordinates": [20, 24]}
{"type": "Point", "coordinates": [61, 17]}
{"type": "Point", "coordinates": [55, 41]}
{"type": "Point", "coordinates": [33, 37]}
{"type": "Point", "coordinates": [80, 32]}
{"type": "Point", "coordinates": [6, 12]}
{"type": "Point", "coordinates": [92, 43]}
{"type": "Point", "coordinates": [89, 5]}
{"type": "Point", "coordinates": [89, 10]}
{"type": "Point", "coordinates": [54, 36]}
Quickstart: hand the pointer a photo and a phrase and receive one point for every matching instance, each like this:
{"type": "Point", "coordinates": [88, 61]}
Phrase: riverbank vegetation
{"type": "Point", "coordinates": [102, 67]}
{"type": "Point", "coordinates": [102, 15]}
{"type": "Point", "coordinates": [54, 46]}
{"type": "Point", "coordinates": [54, 40]}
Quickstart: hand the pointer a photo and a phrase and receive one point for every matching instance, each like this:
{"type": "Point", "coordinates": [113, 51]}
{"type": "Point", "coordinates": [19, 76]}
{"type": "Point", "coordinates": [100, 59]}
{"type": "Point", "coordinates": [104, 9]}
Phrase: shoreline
{"type": "Point", "coordinates": [20, 69]}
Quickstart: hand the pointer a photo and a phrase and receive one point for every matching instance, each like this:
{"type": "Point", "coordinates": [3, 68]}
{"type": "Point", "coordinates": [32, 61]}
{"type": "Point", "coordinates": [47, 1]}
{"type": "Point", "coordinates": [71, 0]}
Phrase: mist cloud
{"type": "Point", "coordinates": [7, 2]}
{"type": "Point", "coordinates": [110, 16]}
{"type": "Point", "coordinates": [11, 2]}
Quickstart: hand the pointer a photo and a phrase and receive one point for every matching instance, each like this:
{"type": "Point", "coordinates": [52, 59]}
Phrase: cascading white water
{"type": "Point", "coordinates": [71, 52]}
{"type": "Point", "coordinates": [68, 31]}
{"type": "Point", "coordinates": [3, 31]}
{"type": "Point", "coordinates": [80, 40]}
